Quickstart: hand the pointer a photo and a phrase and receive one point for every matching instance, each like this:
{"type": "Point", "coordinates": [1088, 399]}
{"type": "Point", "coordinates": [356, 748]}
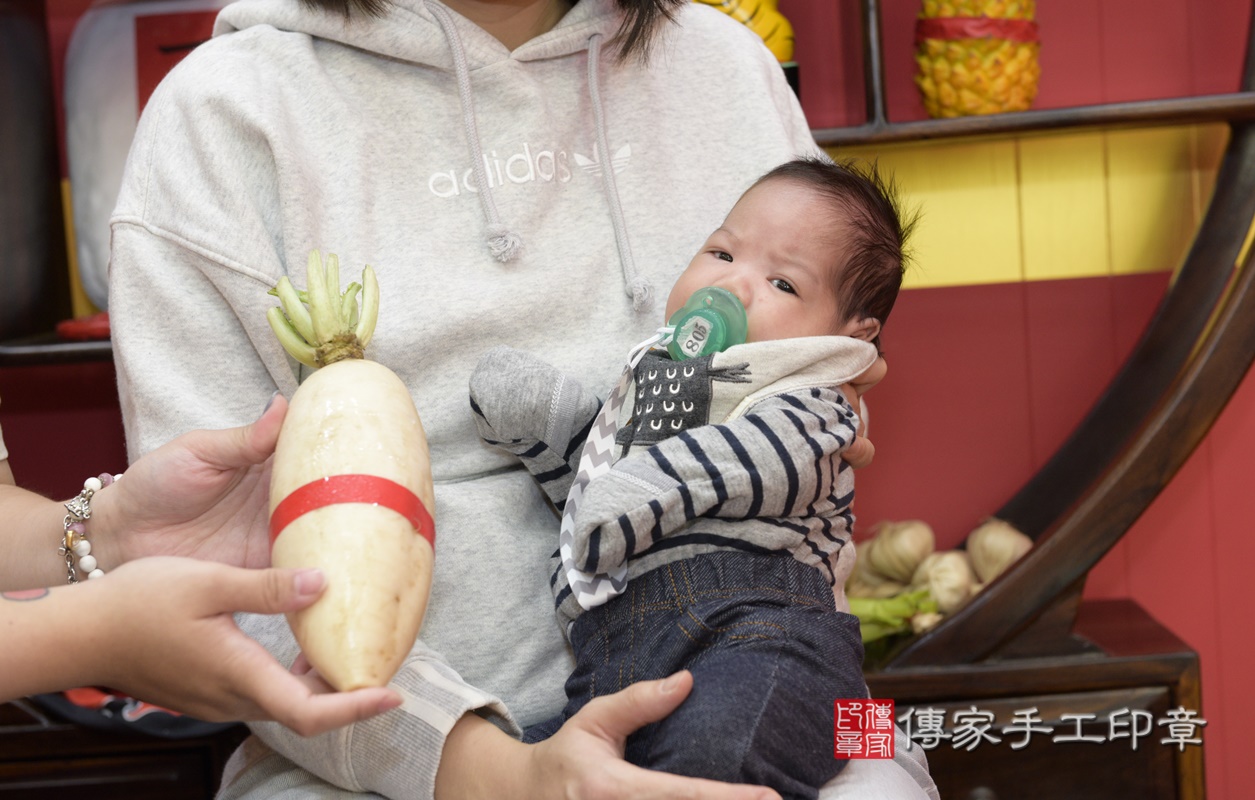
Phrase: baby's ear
{"type": "Point", "coordinates": [867, 329]}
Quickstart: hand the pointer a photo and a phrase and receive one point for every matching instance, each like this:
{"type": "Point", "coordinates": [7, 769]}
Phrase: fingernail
{"type": "Point", "coordinates": [390, 702]}
{"type": "Point", "coordinates": [270, 402]}
{"type": "Point", "coordinates": [669, 684]}
{"type": "Point", "coordinates": [309, 582]}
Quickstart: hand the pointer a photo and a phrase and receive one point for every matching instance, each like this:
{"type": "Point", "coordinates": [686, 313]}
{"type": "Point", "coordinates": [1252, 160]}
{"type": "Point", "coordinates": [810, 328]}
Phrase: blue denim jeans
{"type": "Point", "coordinates": [768, 652]}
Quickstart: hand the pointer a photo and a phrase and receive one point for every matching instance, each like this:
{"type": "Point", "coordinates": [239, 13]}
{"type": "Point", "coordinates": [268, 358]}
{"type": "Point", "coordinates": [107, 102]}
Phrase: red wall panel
{"type": "Point", "coordinates": [1218, 31]}
{"type": "Point", "coordinates": [1144, 52]}
{"type": "Point", "coordinates": [1071, 57]}
{"type": "Point", "coordinates": [984, 384]}
{"type": "Point", "coordinates": [828, 49]}
{"type": "Point", "coordinates": [951, 421]}
{"type": "Point", "coordinates": [1071, 352]}
{"type": "Point", "coordinates": [1230, 451]}
{"type": "Point", "coordinates": [62, 425]}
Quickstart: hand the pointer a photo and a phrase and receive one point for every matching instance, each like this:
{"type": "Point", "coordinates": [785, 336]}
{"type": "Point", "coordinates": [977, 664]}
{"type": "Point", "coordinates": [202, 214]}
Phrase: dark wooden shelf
{"type": "Point", "coordinates": [1206, 108]}
{"type": "Point", "coordinates": [1131, 662]}
{"type": "Point", "coordinates": [43, 756]}
{"type": "Point", "coordinates": [46, 348]}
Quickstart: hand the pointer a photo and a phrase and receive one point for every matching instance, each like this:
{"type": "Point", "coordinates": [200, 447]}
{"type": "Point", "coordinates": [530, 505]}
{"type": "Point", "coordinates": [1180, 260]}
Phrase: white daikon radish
{"type": "Point", "coordinates": [350, 490]}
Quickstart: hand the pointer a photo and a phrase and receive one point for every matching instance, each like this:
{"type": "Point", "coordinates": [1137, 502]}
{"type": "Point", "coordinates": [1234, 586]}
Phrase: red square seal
{"type": "Point", "coordinates": [862, 728]}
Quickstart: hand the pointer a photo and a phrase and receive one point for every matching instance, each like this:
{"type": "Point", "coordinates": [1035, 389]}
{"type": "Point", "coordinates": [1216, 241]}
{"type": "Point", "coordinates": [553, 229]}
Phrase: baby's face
{"type": "Point", "coordinates": [774, 254]}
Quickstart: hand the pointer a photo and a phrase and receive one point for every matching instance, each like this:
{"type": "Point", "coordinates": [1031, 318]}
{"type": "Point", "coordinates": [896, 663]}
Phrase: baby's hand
{"type": "Point", "coordinates": [860, 452]}
{"type": "Point", "coordinates": [864, 382]}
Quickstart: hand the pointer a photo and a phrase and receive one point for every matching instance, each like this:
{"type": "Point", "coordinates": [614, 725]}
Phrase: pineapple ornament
{"type": "Point", "coordinates": [976, 56]}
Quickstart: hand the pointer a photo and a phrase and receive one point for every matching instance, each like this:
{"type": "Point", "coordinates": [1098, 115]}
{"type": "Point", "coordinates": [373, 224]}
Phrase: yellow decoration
{"type": "Point", "coordinates": [764, 18]}
{"type": "Point", "coordinates": [976, 56]}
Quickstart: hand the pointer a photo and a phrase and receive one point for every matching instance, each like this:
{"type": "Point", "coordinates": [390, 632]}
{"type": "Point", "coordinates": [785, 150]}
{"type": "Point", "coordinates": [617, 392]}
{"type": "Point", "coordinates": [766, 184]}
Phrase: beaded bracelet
{"type": "Point", "coordinates": [74, 542]}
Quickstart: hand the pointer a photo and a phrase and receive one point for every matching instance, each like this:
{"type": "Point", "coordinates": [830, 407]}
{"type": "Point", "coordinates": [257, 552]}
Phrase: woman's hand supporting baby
{"type": "Point", "coordinates": [583, 760]}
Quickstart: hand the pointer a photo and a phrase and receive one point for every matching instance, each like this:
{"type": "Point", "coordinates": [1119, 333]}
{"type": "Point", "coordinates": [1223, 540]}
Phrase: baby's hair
{"type": "Point", "coordinates": [874, 231]}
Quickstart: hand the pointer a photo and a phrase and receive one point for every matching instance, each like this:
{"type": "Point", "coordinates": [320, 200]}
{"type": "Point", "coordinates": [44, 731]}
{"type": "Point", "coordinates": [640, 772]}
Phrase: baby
{"type": "Point", "coordinates": [719, 534]}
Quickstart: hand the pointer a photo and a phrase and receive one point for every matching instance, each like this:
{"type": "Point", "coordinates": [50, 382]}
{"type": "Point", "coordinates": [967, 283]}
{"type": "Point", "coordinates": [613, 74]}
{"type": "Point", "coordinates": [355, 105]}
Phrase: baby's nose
{"type": "Point", "coordinates": [739, 285]}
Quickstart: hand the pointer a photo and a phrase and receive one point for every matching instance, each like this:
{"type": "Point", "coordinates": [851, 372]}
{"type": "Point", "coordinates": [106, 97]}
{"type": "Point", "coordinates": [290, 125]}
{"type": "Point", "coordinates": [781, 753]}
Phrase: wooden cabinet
{"type": "Point", "coordinates": [43, 758]}
{"type": "Point", "coordinates": [1120, 661]}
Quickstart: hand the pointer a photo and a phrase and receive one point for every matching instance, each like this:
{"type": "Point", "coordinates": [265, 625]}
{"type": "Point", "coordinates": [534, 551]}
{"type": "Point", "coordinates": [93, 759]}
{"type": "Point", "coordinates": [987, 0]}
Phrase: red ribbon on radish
{"type": "Point", "coordinates": [337, 489]}
{"type": "Point", "coordinates": [949, 28]}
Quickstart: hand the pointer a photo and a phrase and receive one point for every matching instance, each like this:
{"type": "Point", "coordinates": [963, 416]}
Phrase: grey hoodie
{"type": "Point", "coordinates": [292, 130]}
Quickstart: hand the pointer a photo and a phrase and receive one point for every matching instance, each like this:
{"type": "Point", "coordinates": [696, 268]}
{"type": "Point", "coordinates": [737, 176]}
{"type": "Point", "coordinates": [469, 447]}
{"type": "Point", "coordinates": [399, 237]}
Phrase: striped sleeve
{"type": "Point", "coordinates": [780, 461]}
{"type": "Point", "coordinates": [522, 405]}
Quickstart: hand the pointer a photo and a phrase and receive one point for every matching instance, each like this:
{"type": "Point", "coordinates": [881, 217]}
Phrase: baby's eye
{"type": "Point", "coordinates": [783, 285]}
{"type": "Point", "coordinates": [722, 256]}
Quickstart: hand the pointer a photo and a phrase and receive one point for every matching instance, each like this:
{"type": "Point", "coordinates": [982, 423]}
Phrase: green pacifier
{"type": "Point", "coordinates": [711, 321]}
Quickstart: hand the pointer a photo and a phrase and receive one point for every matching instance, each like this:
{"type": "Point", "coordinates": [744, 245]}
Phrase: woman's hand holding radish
{"type": "Point", "coordinates": [203, 495]}
{"type": "Point", "coordinates": [161, 629]}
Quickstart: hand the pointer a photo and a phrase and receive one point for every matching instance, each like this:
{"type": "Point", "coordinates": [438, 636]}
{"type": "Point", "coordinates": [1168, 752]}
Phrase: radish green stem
{"type": "Point", "coordinates": [348, 305]}
{"type": "Point", "coordinates": [333, 275]}
{"type": "Point", "coordinates": [370, 307]}
{"type": "Point", "coordinates": [332, 328]}
{"type": "Point", "coordinates": [294, 308]}
{"type": "Point", "coordinates": [292, 341]}
{"type": "Point", "coordinates": [320, 309]}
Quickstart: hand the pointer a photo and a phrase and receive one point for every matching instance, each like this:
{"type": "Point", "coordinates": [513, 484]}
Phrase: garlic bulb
{"type": "Point", "coordinates": [863, 572]}
{"type": "Point", "coordinates": [948, 577]}
{"type": "Point", "coordinates": [994, 546]}
{"type": "Point", "coordinates": [899, 548]}
{"type": "Point", "coordinates": [919, 579]}
{"type": "Point", "coordinates": [925, 621]}
{"type": "Point", "coordinates": [859, 588]}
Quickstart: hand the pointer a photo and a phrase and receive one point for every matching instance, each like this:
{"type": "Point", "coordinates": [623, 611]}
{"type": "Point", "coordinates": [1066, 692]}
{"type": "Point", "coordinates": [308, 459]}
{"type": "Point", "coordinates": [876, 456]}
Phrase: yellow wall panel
{"type": "Point", "coordinates": [969, 232]}
{"type": "Point", "coordinates": [1151, 190]}
{"type": "Point", "coordinates": [1209, 146]}
{"type": "Point", "coordinates": [1053, 205]}
{"type": "Point", "coordinates": [1063, 202]}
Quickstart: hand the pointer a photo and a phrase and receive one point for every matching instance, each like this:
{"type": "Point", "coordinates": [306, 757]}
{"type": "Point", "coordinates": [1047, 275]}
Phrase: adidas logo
{"type": "Point", "coordinates": [524, 166]}
{"type": "Point", "coordinates": [593, 165]}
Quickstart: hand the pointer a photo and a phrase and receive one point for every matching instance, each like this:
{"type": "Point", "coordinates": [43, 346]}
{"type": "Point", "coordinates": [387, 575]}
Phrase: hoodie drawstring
{"type": "Point", "coordinates": [503, 243]}
{"type": "Point", "coordinates": [636, 286]}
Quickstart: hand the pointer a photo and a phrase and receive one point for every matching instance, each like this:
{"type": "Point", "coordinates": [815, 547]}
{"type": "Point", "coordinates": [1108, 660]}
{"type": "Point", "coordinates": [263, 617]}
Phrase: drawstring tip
{"type": "Point", "coordinates": [503, 243]}
{"type": "Point", "coordinates": [642, 292]}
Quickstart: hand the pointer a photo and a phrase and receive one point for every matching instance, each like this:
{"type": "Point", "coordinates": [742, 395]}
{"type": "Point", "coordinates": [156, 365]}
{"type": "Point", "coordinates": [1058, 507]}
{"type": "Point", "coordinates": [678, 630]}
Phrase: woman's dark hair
{"type": "Point", "coordinates": [871, 232]}
{"type": "Point", "coordinates": [641, 22]}
{"type": "Point", "coordinates": [350, 8]}
{"type": "Point", "coordinates": [642, 19]}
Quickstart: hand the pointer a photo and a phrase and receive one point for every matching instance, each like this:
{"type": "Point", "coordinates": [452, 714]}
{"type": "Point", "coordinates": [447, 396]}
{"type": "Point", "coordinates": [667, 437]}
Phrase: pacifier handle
{"type": "Point", "coordinates": [710, 322]}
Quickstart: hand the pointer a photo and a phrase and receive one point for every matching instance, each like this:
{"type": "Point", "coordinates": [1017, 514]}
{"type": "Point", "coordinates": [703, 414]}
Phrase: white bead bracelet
{"type": "Point", "coordinates": [74, 543]}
